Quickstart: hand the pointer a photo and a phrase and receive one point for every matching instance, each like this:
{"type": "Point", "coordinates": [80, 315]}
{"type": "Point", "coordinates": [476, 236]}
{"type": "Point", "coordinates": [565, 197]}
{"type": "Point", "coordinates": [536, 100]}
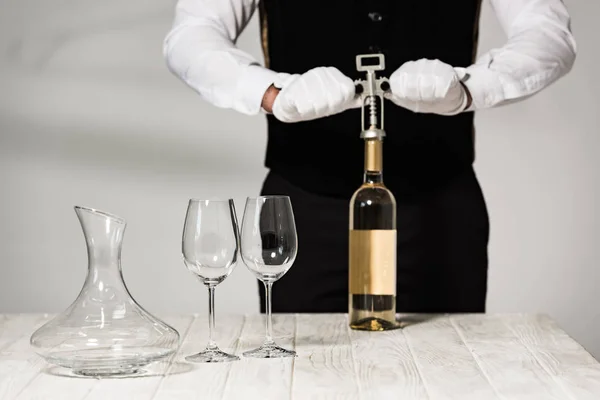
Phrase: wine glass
{"type": "Point", "coordinates": [269, 244]}
{"type": "Point", "coordinates": [210, 248]}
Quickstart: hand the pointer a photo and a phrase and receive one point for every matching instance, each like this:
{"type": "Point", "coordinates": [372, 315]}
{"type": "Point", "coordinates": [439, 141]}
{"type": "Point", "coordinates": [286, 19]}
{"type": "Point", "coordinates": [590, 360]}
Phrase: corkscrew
{"type": "Point", "coordinates": [369, 90]}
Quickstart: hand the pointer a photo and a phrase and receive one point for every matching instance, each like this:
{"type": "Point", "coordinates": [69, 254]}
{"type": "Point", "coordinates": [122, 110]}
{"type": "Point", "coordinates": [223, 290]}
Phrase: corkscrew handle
{"type": "Point", "coordinates": [384, 86]}
{"type": "Point", "coordinates": [369, 89]}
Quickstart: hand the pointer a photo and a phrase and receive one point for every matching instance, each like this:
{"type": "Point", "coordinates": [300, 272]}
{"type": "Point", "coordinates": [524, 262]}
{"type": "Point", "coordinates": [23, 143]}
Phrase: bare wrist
{"type": "Point", "coordinates": [269, 98]}
{"type": "Point", "coordinates": [469, 97]}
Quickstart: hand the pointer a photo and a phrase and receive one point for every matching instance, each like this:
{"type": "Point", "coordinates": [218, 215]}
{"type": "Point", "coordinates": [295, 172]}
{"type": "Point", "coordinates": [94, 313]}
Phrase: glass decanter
{"type": "Point", "coordinates": [104, 332]}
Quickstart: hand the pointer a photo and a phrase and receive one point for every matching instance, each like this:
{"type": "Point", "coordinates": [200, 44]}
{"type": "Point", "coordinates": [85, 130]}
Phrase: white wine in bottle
{"type": "Point", "coordinates": [372, 233]}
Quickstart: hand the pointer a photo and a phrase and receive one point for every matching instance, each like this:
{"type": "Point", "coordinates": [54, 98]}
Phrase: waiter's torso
{"type": "Point", "coordinates": [324, 156]}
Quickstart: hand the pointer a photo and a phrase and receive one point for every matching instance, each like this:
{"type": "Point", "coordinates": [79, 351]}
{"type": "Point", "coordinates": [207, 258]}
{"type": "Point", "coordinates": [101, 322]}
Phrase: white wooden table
{"type": "Point", "coordinates": [458, 357]}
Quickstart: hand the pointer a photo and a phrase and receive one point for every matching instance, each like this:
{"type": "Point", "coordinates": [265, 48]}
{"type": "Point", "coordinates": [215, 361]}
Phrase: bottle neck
{"type": "Point", "coordinates": [373, 173]}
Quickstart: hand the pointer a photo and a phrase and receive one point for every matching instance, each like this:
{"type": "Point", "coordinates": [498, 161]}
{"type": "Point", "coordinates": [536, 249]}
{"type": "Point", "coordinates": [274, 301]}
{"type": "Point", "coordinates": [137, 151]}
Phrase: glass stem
{"type": "Point", "coordinates": [269, 288]}
{"type": "Point", "coordinates": [211, 316]}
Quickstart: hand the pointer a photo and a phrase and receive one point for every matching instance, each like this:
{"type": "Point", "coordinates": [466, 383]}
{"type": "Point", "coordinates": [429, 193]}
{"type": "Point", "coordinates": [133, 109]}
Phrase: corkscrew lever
{"type": "Point", "coordinates": [369, 90]}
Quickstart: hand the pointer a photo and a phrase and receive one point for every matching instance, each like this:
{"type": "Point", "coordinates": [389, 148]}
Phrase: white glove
{"type": "Point", "coordinates": [429, 86]}
{"type": "Point", "coordinates": [317, 93]}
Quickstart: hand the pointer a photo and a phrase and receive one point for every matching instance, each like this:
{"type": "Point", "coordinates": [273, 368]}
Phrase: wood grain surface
{"type": "Point", "coordinates": [463, 357]}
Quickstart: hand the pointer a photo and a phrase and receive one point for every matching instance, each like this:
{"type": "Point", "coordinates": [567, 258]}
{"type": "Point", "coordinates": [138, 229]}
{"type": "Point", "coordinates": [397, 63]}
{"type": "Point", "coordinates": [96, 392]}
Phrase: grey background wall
{"type": "Point", "coordinates": [89, 115]}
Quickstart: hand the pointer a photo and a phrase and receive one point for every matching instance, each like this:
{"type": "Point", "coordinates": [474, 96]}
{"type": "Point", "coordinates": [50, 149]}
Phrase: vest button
{"type": "Point", "coordinates": [375, 16]}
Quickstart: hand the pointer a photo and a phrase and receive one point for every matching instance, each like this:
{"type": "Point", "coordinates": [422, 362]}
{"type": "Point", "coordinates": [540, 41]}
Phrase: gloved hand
{"type": "Point", "coordinates": [320, 92]}
{"type": "Point", "coordinates": [429, 86]}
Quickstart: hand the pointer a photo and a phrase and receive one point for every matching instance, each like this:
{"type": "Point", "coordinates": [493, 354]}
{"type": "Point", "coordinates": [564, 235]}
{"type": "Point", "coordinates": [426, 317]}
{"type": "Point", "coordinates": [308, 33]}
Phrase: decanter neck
{"type": "Point", "coordinates": [104, 237]}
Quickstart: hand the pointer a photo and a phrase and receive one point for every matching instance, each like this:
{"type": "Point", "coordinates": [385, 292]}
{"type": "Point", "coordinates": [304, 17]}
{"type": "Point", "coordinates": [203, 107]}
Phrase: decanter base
{"type": "Point", "coordinates": [109, 373]}
{"type": "Point", "coordinates": [103, 363]}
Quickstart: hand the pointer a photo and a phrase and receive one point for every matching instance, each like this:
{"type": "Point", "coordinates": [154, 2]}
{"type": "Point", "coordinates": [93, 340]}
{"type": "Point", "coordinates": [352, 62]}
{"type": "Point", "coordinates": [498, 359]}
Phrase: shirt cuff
{"type": "Point", "coordinates": [484, 86]}
{"type": "Point", "coordinates": [253, 84]}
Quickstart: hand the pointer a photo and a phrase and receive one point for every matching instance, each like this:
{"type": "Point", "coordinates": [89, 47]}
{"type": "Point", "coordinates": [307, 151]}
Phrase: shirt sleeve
{"type": "Point", "coordinates": [540, 50]}
{"type": "Point", "coordinates": [200, 49]}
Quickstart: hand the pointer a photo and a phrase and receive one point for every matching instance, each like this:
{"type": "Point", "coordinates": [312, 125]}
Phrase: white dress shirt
{"type": "Point", "coordinates": [201, 50]}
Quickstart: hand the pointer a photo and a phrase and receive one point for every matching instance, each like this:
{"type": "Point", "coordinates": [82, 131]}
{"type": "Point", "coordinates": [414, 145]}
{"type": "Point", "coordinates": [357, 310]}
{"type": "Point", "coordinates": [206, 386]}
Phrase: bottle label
{"type": "Point", "coordinates": [372, 258]}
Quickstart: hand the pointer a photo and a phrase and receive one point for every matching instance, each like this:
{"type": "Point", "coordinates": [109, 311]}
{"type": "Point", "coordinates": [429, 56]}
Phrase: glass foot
{"type": "Point", "coordinates": [211, 355]}
{"type": "Point", "coordinates": [269, 350]}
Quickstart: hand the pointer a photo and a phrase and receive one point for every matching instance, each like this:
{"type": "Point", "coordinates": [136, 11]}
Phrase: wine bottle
{"type": "Point", "coordinates": [372, 228]}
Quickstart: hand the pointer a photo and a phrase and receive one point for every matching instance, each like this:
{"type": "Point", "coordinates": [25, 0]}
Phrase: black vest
{"type": "Point", "coordinates": [325, 156]}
